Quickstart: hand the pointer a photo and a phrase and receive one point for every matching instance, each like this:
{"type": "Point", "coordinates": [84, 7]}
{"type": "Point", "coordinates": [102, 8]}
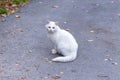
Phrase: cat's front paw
{"type": "Point", "coordinates": [53, 51]}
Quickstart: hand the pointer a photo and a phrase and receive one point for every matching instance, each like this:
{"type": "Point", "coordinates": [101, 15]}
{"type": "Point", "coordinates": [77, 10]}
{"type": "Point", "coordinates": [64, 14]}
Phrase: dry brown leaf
{"type": "Point", "coordinates": [55, 6]}
{"type": "Point", "coordinates": [3, 15]}
{"type": "Point", "coordinates": [56, 77]}
{"type": "Point", "coordinates": [14, 5]}
{"type": "Point", "coordinates": [17, 16]}
{"type": "Point", "coordinates": [67, 29]}
{"type": "Point", "coordinates": [12, 11]}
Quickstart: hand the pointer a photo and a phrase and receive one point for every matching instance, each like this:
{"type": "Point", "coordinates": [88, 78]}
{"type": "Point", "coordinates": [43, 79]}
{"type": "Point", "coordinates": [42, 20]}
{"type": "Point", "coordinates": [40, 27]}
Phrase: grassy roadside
{"type": "Point", "coordinates": [8, 7]}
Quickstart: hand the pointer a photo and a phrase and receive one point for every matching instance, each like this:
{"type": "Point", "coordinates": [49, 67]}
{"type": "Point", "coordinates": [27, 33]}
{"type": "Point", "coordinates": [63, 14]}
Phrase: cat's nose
{"type": "Point", "coordinates": [51, 31]}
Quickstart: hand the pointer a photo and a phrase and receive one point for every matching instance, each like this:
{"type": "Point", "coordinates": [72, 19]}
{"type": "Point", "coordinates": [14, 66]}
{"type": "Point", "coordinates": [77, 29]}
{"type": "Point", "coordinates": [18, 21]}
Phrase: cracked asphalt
{"type": "Point", "coordinates": [25, 48]}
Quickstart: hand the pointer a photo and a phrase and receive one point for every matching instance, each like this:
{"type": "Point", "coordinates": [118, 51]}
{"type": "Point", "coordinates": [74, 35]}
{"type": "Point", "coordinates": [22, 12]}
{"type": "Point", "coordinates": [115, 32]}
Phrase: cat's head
{"type": "Point", "coordinates": [51, 26]}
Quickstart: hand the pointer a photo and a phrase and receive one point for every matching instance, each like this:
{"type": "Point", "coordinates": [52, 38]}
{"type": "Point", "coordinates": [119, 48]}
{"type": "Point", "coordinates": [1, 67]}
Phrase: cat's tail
{"type": "Point", "coordinates": [64, 59]}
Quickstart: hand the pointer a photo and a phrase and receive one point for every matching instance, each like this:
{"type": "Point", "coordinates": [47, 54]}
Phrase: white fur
{"type": "Point", "coordinates": [63, 41]}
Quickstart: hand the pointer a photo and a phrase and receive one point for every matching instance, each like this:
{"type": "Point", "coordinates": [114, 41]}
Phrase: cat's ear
{"type": "Point", "coordinates": [47, 21]}
{"type": "Point", "coordinates": [56, 23]}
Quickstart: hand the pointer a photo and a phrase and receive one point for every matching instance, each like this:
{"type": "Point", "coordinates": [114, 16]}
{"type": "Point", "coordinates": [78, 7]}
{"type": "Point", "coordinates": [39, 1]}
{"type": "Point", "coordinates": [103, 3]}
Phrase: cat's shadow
{"type": "Point", "coordinates": [59, 54]}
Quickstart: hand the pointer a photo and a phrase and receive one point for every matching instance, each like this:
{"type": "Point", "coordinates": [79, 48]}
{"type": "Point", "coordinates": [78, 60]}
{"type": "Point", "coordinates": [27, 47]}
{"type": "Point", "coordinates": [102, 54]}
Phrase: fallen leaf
{"type": "Point", "coordinates": [108, 58]}
{"type": "Point", "coordinates": [55, 6]}
{"type": "Point", "coordinates": [17, 16]}
{"type": "Point", "coordinates": [3, 15]}
{"type": "Point", "coordinates": [45, 77]}
{"type": "Point", "coordinates": [65, 22]}
{"type": "Point", "coordinates": [27, 69]}
{"type": "Point", "coordinates": [90, 40]}
{"type": "Point", "coordinates": [14, 5]}
{"type": "Point", "coordinates": [17, 64]}
{"type": "Point", "coordinates": [61, 72]}
{"type": "Point", "coordinates": [67, 29]}
{"type": "Point", "coordinates": [105, 59]}
{"type": "Point", "coordinates": [114, 63]}
{"type": "Point", "coordinates": [37, 66]}
{"type": "Point", "coordinates": [30, 51]}
{"type": "Point", "coordinates": [12, 11]}
{"type": "Point", "coordinates": [56, 77]}
{"type": "Point", "coordinates": [22, 78]}
{"type": "Point", "coordinates": [20, 29]}
{"type": "Point", "coordinates": [92, 31]}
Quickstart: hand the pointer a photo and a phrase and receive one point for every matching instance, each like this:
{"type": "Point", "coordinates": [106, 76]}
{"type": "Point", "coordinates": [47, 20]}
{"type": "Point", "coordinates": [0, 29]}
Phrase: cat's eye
{"type": "Point", "coordinates": [53, 27]}
{"type": "Point", "coordinates": [48, 26]}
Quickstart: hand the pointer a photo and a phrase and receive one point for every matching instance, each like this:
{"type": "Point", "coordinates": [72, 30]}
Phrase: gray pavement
{"type": "Point", "coordinates": [25, 49]}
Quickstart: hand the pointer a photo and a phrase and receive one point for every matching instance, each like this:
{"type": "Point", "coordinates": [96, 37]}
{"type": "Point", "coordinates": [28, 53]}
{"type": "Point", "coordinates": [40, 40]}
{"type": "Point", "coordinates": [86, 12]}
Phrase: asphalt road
{"type": "Point", "coordinates": [25, 48]}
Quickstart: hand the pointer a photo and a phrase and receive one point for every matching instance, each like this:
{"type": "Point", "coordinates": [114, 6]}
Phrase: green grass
{"type": "Point", "coordinates": [20, 1]}
{"type": "Point", "coordinates": [11, 6]}
{"type": "Point", "coordinates": [3, 11]}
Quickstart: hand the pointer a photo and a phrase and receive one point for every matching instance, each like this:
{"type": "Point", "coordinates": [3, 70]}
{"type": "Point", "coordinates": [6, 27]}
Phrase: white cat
{"type": "Point", "coordinates": [64, 42]}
